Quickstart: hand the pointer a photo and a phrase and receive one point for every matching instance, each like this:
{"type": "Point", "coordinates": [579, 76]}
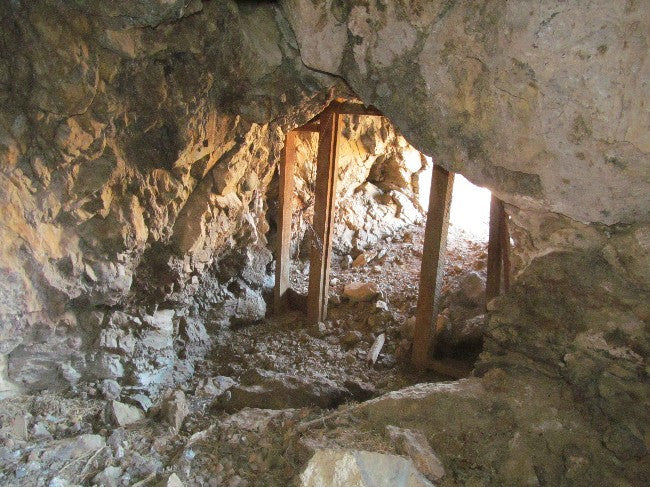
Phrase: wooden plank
{"type": "Point", "coordinates": [350, 108]}
{"type": "Point", "coordinates": [283, 249]}
{"type": "Point", "coordinates": [505, 248]}
{"type": "Point", "coordinates": [308, 127]}
{"type": "Point", "coordinates": [321, 250]}
{"type": "Point", "coordinates": [494, 259]}
{"type": "Point", "coordinates": [433, 260]}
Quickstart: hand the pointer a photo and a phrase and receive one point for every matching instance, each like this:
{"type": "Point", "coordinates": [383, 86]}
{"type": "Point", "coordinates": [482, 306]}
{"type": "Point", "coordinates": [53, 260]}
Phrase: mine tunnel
{"type": "Point", "coordinates": [324, 243]}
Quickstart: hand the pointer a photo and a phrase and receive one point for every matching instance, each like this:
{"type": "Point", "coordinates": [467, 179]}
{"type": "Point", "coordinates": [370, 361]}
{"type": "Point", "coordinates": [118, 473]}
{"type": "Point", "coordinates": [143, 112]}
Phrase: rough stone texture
{"type": "Point", "coordinates": [382, 185]}
{"type": "Point", "coordinates": [121, 414]}
{"type": "Point", "coordinates": [135, 160]}
{"type": "Point", "coordinates": [416, 446]}
{"type": "Point", "coordinates": [271, 390]}
{"type": "Point", "coordinates": [543, 105]}
{"type": "Point", "coordinates": [492, 90]}
{"type": "Point", "coordinates": [361, 291]}
{"type": "Point", "coordinates": [138, 142]}
{"type": "Point", "coordinates": [174, 409]}
{"type": "Point", "coordinates": [339, 468]}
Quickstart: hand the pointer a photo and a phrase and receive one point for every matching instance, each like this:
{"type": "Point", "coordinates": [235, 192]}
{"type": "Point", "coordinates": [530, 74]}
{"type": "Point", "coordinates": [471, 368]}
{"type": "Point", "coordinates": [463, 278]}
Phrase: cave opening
{"type": "Point", "coordinates": [354, 260]}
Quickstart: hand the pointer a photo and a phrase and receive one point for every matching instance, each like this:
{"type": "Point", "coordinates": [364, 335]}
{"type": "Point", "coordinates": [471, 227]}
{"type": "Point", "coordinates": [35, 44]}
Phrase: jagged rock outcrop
{"type": "Point", "coordinates": [382, 185]}
{"type": "Point", "coordinates": [135, 161]}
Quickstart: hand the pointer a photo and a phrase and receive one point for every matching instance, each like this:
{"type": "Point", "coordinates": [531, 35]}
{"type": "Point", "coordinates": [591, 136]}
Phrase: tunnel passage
{"type": "Point", "coordinates": [430, 322]}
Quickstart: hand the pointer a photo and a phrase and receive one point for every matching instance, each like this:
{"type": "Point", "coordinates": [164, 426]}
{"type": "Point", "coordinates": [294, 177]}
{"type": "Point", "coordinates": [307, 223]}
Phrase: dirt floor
{"type": "Point", "coordinates": [241, 418]}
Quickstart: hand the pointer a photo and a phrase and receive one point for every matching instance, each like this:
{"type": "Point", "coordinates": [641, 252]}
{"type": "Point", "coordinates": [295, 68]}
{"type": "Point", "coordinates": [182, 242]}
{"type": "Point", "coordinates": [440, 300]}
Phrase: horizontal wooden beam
{"type": "Point", "coordinates": [350, 108]}
{"type": "Point", "coordinates": [308, 127]}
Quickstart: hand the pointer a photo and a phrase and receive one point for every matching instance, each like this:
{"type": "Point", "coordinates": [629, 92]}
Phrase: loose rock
{"type": "Point", "coordinates": [121, 414]}
{"type": "Point", "coordinates": [415, 445]}
{"type": "Point", "coordinates": [361, 291]}
{"type": "Point", "coordinates": [345, 468]}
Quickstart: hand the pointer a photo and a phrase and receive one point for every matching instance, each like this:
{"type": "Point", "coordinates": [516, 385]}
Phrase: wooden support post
{"type": "Point", "coordinates": [321, 250]}
{"type": "Point", "coordinates": [433, 260]}
{"type": "Point", "coordinates": [283, 250]}
{"type": "Point", "coordinates": [495, 252]}
{"type": "Point", "coordinates": [505, 248]}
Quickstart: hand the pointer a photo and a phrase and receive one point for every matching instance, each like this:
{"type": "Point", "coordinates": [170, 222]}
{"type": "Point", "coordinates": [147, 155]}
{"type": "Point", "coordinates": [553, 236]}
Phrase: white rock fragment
{"type": "Point", "coordinates": [354, 468]}
{"type": "Point", "coordinates": [123, 414]}
{"type": "Point", "coordinates": [174, 409]}
{"type": "Point", "coordinates": [374, 351]}
{"type": "Point", "coordinates": [172, 481]}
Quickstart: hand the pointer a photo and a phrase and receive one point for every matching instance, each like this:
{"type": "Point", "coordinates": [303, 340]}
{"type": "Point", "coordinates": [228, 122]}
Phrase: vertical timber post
{"type": "Point", "coordinates": [283, 257]}
{"type": "Point", "coordinates": [321, 250]}
{"type": "Point", "coordinates": [505, 248]}
{"type": "Point", "coordinates": [433, 260]}
{"type": "Point", "coordinates": [495, 250]}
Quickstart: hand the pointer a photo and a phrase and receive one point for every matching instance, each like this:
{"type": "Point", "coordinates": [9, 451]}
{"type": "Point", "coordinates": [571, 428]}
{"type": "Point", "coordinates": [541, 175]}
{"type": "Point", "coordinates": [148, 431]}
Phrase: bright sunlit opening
{"type": "Point", "coordinates": [470, 209]}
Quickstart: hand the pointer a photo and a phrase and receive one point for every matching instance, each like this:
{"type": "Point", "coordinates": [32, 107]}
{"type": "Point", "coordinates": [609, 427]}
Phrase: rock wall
{"type": "Point", "coordinates": [138, 142]}
{"type": "Point", "coordinates": [382, 187]}
{"type": "Point", "coordinates": [135, 160]}
{"type": "Point", "coordinates": [545, 105]}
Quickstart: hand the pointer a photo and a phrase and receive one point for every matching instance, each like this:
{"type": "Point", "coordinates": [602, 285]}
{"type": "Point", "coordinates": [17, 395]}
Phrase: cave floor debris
{"type": "Point", "coordinates": [227, 434]}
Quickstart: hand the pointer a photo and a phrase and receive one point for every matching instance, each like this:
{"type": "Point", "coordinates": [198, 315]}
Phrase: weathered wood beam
{"type": "Point", "coordinates": [283, 249]}
{"type": "Point", "coordinates": [433, 261]}
{"type": "Point", "coordinates": [495, 252]}
{"type": "Point", "coordinates": [321, 250]}
{"type": "Point", "coordinates": [350, 108]}
{"type": "Point", "coordinates": [505, 248]}
{"type": "Point", "coordinates": [308, 127]}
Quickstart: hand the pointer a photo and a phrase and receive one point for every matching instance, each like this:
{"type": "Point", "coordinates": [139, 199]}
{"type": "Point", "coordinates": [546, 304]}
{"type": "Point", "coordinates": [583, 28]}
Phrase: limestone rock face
{"type": "Point", "coordinates": [536, 103]}
{"type": "Point", "coordinates": [382, 185]}
{"type": "Point", "coordinates": [135, 161]}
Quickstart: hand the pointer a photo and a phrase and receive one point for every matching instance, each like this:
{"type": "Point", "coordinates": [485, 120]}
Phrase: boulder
{"type": "Point", "coordinates": [468, 332]}
{"type": "Point", "coordinates": [361, 291]}
{"type": "Point", "coordinates": [274, 390]}
{"type": "Point", "coordinates": [472, 288]}
{"type": "Point", "coordinates": [354, 468]}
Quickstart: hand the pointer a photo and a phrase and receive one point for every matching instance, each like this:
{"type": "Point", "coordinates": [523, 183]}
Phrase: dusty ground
{"type": "Point", "coordinates": [281, 363]}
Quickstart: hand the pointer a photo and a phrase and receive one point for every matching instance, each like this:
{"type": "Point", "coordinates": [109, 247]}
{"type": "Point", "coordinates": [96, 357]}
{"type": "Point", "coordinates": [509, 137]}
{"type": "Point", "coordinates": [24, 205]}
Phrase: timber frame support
{"type": "Point", "coordinates": [328, 127]}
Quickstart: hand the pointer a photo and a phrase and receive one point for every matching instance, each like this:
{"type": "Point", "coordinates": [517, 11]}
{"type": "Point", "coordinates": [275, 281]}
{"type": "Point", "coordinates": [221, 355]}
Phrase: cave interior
{"type": "Point", "coordinates": [322, 243]}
